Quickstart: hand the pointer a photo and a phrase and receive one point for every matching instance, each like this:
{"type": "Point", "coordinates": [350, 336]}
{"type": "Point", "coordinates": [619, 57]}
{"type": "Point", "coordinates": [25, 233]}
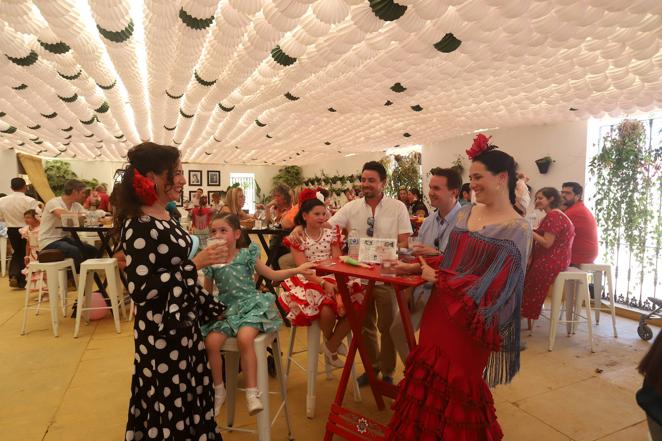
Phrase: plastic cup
{"type": "Point", "coordinates": [387, 267]}
{"type": "Point", "coordinates": [212, 241]}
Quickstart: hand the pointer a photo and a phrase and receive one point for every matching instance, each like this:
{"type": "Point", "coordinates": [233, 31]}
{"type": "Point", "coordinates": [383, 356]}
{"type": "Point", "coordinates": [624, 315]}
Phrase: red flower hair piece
{"type": "Point", "coordinates": [144, 188]}
{"type": "Point", "coordinates": [309, 193]}
{"type": "Point", "coordinates": [481, 145]}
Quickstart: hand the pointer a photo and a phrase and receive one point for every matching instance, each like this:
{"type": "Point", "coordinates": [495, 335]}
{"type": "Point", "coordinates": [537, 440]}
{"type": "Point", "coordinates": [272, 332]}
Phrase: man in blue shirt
{"type": "Point", "coordinates": [445, 185]}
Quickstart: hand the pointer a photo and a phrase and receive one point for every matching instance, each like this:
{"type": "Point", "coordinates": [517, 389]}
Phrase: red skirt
{"type": "Point", "coordinates": [303, 299]}
{"type": "Point", "coordinates": [443, 395]}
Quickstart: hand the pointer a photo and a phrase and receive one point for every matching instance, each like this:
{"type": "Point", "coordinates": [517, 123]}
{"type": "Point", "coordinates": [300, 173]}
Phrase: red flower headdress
{"type": "Point", "coordinates": [481, 145]}
{"type": "Point", "coordinates": [145, 189]}
{"type": "Point", "coordinates": [309, 193]}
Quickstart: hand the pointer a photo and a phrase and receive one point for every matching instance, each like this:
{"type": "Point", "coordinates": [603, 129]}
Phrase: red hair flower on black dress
{"type": "Point", "coordinates": [481, 145]}
{"type": "Point", "coordinates": [145, 189]}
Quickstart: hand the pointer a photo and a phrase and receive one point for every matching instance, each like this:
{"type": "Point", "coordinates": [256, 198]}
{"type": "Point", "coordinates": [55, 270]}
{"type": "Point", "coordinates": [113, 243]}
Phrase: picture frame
{"type": "Point", "coordinates": [213, 178]}
{"type": "Point", "coordinates": [195, 178]}
{"type": "Point", "coordinates": [191, 195]}
{"type": "Point", "coordinates": [180, 201]}
{"type": "Point", "coordinates": [118, 176]}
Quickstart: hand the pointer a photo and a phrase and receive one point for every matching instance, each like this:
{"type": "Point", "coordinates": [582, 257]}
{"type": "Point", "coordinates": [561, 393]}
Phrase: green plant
{"type": "Point", "coordinates": [458, 165]}
{"type": "Point", "coordinates": [58, 172]}
{"type": "Point", "coordinates": [626, 175]}
{"type": "Point", "coordinates": [290, 175]}
{"type": "Point", "coordinates": [403, 171]}
{"type": "Point", "coordinates": [259, 197]}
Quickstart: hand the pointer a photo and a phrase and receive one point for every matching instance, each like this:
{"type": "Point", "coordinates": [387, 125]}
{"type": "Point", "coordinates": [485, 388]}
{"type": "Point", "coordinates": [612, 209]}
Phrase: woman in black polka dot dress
{"type": "Point", "coordinates": [172, 395]}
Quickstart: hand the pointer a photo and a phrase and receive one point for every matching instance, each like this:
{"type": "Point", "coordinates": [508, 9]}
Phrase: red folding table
{"type": "Point", "coordinates": [344, 422]}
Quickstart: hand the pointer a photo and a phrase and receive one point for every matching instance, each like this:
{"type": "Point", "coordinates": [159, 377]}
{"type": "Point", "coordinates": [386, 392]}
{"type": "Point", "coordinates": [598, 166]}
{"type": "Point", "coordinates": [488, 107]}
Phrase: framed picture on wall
{"type": "Point", "coordinates": [195, 178]}
{"type": "Point", "coordinates": [180, 201]}
{"type": "Point", "coordinates": [213, 178]}
{"type": "Point", "coordinates": [210, 193]}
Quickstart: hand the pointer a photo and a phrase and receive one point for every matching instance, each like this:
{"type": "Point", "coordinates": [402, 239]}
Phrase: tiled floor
{"type": "Point", "coordinates": [78, 389]}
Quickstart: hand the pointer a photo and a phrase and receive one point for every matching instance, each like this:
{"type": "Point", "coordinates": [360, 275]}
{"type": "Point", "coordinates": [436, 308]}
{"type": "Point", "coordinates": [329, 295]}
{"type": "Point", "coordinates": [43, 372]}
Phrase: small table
{"type": "Point", "coordinates": [343, 422]}
{"type": "Point", "coordinates": [104, 235]}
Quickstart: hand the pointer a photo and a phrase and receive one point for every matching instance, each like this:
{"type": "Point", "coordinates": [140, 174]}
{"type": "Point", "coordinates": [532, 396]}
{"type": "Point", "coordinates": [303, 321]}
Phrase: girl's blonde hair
{"type": "Point", "coordinates": [232, 200]}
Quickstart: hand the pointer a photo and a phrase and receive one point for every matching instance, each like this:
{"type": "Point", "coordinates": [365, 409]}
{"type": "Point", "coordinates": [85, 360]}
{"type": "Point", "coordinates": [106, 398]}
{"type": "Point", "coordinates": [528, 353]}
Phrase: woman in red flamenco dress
{"type": "Point", "coordinates": [469, 336]}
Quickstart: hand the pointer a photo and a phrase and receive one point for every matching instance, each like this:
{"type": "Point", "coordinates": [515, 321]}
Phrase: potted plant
{"type": "Point", "coordinates": [458, 166]}
{"type": "Point", "coordinates": [543, 164]}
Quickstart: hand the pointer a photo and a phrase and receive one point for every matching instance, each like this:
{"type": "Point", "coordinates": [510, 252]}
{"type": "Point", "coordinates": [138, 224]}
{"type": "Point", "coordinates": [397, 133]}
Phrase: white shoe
{"type": "Point", "coordinates": [332, 357]}
{"type": "Point", "coordinates": [342, 349]}
{"type": "Point", "coordinates": [253, 401]}
{"type": "Point", "coordinates": [219, 398]}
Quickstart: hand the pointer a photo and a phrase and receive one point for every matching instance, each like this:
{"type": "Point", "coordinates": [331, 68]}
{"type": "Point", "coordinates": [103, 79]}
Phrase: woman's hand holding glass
{"type": "Point", "coordinates": [216, 253]}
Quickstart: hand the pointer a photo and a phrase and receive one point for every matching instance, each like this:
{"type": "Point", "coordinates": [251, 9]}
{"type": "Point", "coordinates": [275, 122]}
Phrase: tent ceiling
{"type": "Point", "coordinates": [303, 81]}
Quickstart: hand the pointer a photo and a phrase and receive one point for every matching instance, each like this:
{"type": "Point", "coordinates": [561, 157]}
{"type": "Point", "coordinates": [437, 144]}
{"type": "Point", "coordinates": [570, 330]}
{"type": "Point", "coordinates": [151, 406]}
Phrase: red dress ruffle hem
{"type": "Point", "coordinates": [443, 395]}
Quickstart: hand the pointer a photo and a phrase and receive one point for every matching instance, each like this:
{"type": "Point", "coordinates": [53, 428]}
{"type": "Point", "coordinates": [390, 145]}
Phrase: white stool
{"type": "Point", "coordinates": [597, 270]}
{"type": "Point", "coordinates": [36, 283]}
{"type": "Point", "coordinates": [583, 296]}
{"type": "Point", "coordinates": [232, 368]}
{"type": "Point", "coordinates": [56, 279]}
{"type": "Point", "coordinates": [313, 348]}
{"type": "Point", "coordinates": [3, 256]}
{"type": "Point", "coordinates": [114, 289]}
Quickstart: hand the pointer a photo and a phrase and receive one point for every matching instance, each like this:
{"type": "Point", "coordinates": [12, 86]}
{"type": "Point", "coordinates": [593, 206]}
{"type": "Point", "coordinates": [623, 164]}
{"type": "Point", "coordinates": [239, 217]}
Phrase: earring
{"type": "Point", "coordinates": [156, 188]}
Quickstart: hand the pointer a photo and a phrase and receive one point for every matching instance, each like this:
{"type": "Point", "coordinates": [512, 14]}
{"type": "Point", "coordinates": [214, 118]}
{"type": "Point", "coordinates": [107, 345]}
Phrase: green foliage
{"type": "Point", "coordinates": [291, 175]}
{"type": "Point", "coordinates": [404, 171]}
{"type": "Point", "coordinates": [58, 172]}
{"type": "Point", "coordinates": [626, 176]}
{"type": "Point", "coordinates": [259, 197]}
{"type": "Point", "coordinates": [458, 165]}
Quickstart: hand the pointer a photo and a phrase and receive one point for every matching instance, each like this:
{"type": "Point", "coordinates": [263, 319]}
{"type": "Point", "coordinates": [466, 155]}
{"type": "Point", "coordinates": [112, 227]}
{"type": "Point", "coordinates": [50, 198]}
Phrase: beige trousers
{"type": "Point", "coordinates": [379, 316]}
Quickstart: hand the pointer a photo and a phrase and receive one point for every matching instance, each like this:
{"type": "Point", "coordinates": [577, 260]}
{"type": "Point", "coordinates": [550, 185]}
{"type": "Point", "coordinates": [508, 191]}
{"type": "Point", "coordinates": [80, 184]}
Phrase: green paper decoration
{"type": "Point", "coordinates": [448, 43]}
{"type": "Point", "coordinates": [225, 109]}
{"type": "Point", "coordinates": [281, 57]}
{"type": "Point", "coordinates": [217, 140]}
{"type": "Point", "coordinates": [331, 109]}
{"type": "Point", "coordinates": [68, 137]}
{"type": "Point", "coordinates": [35, 127]}
{"type": "Point", "coordinates": [269, 136]}
{"type": "Point", "coordinates": [117, 36]}
{"type": "Point", "coordinates": [387, 10]}
{"type": "Point", "coordinates": [28, 60]}
{"type": "Point", "coordinates": [103, 108]}
{"type": "Point", "coordinates": [170, 129]}
{"type": "Point", "coordinates": [195, 23]}
{"type": "Point", "coordinates": [68, 129]}
{"type": "Point", "coordinates": [55, 48]}
{"type": "Point", "coordinates": [398, 88]}
{"type": "Point", "coordinates": [49, 115]}
{"type": "Point", "coordinates": [89, 121]}
{"type": "Point", "coordinates": [120, 136]}
{"type": "Point", "coordinates": [388, 103]}
{"type": "Point", "coordinates": [201, 81]}
{"type": "Point", "coordinates": [291, 97]}
{"type": "Point", "coordinates": [185, 115]}
{"type": "Point", "coordinates": [71, 77]}
{"type": "Point", "coordinates": [20, 87]}
{"type": "Point", "coordinates": [259, 124]}
{"type": "Point", "coordinates": [107, 87]}
{"type": "Point", "coordinates": [9, 130]}
{"type": "Point", "coordinates": [416, 108]}
{"type": "Point", "coordinates": [69, 99]}
{"type": "Point", "coordinates": [174, 97]}
{"type": "Point", "coordinates": [406, 134]}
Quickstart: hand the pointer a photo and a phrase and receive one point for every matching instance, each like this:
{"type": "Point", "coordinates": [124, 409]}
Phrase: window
{"type": "Point", "coordinates": [247, 182]}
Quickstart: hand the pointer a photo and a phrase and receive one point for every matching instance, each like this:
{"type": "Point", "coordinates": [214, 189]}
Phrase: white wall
{"type": "Point", "coordinates": [342, 167]}
{"type": "Point", "coordinates": [564, 142]}
{"type": "Point", "coordinates": [8, 169]}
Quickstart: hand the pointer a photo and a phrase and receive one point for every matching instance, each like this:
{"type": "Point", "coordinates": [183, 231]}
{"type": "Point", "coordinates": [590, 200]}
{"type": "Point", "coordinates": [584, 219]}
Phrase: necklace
{"type": "Point", "coordinates": [305, 231]}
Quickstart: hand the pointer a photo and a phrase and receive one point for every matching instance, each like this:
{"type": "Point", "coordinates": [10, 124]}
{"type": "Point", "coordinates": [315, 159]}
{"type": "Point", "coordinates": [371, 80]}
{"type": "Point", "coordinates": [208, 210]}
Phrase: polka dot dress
{"type": "Point", "coordinates": [172, 396]}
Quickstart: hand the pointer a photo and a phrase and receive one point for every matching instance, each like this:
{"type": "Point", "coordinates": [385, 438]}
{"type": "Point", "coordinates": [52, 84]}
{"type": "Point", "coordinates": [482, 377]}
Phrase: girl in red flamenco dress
{"type": "Point", "coordinates": [310, 298]}
{"type": "Point", "coordinates": [470, 330]}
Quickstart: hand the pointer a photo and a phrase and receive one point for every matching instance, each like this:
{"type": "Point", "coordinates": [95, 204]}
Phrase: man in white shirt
{"type": "Point", "coordinates": [375, 215]}
{"type": "Point", "coordinates": [51, 235]}
{"type": "Point", "coordinates": [445, 186]}
{"type": "Point", "coordinates": [12, 209]}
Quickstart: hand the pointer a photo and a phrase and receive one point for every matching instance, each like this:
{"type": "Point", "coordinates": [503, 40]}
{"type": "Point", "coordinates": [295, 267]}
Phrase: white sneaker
{"type": "Point", "coordinates": [253, 401]}
{"type": "Point", "coordinates": [332, 357]}
{"type": "Point", "coordinates": [219, 398]}
{"type": "Point", "coordinates": [342, 349]}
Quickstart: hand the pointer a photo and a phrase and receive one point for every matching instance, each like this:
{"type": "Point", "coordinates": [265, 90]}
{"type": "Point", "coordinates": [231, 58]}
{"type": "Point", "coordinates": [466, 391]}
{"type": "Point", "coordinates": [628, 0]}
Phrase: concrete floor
{"type": "Point", "coordinates": [78, 389]}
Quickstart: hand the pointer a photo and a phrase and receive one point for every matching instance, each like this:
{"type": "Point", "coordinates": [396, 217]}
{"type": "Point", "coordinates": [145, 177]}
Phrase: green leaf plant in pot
{"type": "Point", "coordinates": [543, 164]}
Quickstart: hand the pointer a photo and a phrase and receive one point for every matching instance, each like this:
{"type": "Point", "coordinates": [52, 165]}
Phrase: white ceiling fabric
{"type": "Point", "coordinates": [303, 81]}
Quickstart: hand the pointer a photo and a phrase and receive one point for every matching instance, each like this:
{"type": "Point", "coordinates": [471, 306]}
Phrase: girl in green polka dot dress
{"type": "Point", "coordinates": [249, 311]}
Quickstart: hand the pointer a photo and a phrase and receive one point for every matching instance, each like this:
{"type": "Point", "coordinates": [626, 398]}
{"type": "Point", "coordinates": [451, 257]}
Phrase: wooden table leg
{"type": "Point", "coordinates": [406, 318]}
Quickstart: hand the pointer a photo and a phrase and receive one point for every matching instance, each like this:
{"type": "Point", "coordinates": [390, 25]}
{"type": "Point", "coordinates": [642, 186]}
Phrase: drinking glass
{"type": "Point", "coordinates": [212, 241]}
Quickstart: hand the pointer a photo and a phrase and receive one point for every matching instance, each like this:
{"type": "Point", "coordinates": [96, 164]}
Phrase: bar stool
{"type": "Point", "coordinates": [109, 266]}
{"type": "Point", "coordinates": [264, 423]}
{"type": "Point", "coordinates": [56, 280]}
{"type": "Point", "coordinates": [583, 296]}
{"type": "Point", "coordinates": [3, 256]}
{"type": "Point", "coordinates": [313, 349]}
{"type": "Point", "coordinates": [597, 270]}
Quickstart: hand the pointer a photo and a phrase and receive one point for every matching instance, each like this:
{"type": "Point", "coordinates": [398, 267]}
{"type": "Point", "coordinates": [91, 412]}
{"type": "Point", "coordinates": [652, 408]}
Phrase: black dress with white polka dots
{"type": "Point", "coordinates": [172, 396]}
